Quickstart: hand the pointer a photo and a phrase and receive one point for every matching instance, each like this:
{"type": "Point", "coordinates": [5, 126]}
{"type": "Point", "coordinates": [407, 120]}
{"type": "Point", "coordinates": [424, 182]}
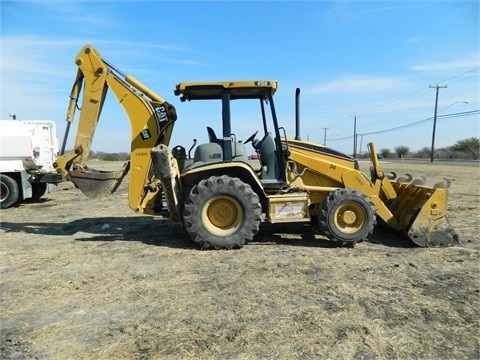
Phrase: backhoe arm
{"type": "Point", "coordinates": [151, 119]}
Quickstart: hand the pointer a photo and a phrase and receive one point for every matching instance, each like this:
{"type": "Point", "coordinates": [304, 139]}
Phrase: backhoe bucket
{"type": "Point", "coordinates": [421, 214]}
{"type": "Point", "coordinates": [97, 183]}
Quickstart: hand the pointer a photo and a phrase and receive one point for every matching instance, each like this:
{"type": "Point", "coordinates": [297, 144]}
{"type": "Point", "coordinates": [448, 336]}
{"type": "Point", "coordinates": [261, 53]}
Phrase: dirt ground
{"type": "Point", "coordinates": [90, 279]}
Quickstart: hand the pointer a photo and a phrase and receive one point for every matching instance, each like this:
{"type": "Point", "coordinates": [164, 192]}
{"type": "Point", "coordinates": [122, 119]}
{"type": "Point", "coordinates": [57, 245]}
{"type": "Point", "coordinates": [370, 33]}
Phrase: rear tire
{"type": "Point", "coordinates": [222, 213]}
{"type": "Point", "coordinates": [9, 191]}
{"type": "Point", "coordinates": [347, 216]}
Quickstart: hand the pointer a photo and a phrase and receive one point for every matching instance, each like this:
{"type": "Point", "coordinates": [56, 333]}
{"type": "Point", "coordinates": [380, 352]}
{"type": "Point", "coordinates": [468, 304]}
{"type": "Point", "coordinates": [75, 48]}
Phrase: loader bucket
{"type": "Point", "coordinates": [97, 183]}
{"type": "Point", "coordinates": [421, 215]}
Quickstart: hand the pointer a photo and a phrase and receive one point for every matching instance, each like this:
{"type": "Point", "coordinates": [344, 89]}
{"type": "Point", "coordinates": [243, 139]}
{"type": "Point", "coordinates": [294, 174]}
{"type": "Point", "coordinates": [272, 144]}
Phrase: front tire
{"type": "Point", "coordinates": [347, 216]}
{"type": "Point", "coordinates": [9, 191]}
{"type": "Point", "coordinates": [222, 212]}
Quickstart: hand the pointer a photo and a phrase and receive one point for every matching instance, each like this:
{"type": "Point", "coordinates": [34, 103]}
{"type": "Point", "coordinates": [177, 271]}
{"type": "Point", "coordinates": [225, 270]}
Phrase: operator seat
{"type": "Point", "coordinates": [239, 153]}
{"type": "Point", "coordinates": [212, 137]}
{"type": "Point", "coordinates": [268, 157]}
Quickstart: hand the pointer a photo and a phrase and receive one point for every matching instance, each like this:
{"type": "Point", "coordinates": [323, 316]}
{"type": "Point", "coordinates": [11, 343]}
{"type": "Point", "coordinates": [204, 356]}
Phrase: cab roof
{"type": "Point", "coordinates": [249, 89]}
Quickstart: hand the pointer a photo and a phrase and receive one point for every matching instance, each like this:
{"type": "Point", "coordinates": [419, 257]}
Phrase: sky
{"type": "Point", "coordinates": [364, 64]}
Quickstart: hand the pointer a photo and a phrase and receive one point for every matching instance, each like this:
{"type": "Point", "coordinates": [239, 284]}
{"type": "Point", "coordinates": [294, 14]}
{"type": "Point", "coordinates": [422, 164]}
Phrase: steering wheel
{"type": "Point", "coordinates": [251, 137]}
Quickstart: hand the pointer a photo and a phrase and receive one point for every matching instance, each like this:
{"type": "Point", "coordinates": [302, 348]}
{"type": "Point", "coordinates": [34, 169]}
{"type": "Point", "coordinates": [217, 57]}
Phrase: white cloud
{"type": "Point", "coordinates": [385, 9]}
{"type": "Point", "coordinates": [470, 62]}
{"type": "Point", "coordinates": [413, 39]}
{"type": "Point", "coordinates": [27, 59]}
{"type": "Point", "coordinates": [39, 43]}
{"type": "Point", "coordinates": [78, 12]}
{"type": "Point", "coordinates": [187, 62]}
{"type": "Point", "coordinates": [357, 83]}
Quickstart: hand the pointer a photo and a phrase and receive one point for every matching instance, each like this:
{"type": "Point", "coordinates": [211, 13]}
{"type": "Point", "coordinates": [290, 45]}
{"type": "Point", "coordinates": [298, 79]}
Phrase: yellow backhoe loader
{"type": "Point", "coordinates": [216, 194]}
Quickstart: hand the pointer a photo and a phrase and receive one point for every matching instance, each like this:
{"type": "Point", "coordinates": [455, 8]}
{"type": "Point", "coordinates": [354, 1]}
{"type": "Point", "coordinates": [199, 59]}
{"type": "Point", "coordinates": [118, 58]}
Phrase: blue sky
{"type": "Point", "coordinates": [372, 59]}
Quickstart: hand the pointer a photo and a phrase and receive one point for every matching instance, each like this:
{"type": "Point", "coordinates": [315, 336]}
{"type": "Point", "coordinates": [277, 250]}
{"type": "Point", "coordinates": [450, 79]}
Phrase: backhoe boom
{"type": "Point", "coordinates": [151, 119]}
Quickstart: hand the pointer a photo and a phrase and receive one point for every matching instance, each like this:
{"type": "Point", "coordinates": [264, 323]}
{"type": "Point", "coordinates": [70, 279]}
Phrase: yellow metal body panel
{"type": "Point", "coordinates": [214, 89]}
{"type": "Point", "coordinates": [320, 172]}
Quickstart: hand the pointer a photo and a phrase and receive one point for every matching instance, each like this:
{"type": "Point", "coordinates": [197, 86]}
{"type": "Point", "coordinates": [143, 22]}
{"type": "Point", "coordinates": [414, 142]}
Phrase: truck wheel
{"type": "Point", "coordinates": [8, 191]}
{"type": "Point", "coordinates": [38, 190]}
{"type": "Point", "coordinates": [222, 213]}
{"type": "Point", "coordinates": [347, 216]}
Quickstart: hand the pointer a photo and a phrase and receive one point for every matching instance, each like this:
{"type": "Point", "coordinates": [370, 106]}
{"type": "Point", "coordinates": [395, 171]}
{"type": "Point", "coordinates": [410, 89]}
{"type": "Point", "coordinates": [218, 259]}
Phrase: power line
{"type": "Point", "coordinates": [399, 99]}
{"type": "Point", "coordinates": [415, 123]}
{"type": "Point", "coordinates": [415, 92]}
{"type": "Point", "coordinates": [466, 72]}
{"type": "Point", "coordinates": [465, 113]}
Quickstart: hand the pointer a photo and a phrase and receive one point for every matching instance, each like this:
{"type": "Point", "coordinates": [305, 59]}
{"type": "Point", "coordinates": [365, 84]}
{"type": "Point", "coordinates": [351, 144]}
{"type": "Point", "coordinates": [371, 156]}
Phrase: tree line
{"type": "Point", "coordinates": [100, 155]}
{"type": "Point", "coordinates": [464, 149]}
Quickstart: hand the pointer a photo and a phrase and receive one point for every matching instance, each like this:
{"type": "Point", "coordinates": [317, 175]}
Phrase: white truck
{"type": "Point", "coordinates": [28, 149]}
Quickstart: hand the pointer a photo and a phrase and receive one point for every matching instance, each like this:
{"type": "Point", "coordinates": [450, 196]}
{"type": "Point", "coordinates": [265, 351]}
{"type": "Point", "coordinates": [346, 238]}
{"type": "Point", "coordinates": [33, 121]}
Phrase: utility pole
{"type": "Point", "coordinates": [435, 118]}
{"type": "Point", "coordinates": [325, 136]}
{"type": "Point", "coordinates": [355, 136]}
{"type": "Point", "coordinates": [361, 141]}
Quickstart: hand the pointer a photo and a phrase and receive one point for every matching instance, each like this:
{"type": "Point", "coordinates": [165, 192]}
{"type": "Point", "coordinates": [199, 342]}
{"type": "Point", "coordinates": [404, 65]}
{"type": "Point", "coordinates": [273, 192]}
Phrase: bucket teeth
{"type": "Point", "coordinates": [420, 181]}
{"type": "Point", "coordinates": [439, 235]}
{"type": "Point", "coordinates": [443, 184]}
{"type": "Point", "coordinates": [391, 176]}
{"type": "Point", "coordinates": [406, 179]}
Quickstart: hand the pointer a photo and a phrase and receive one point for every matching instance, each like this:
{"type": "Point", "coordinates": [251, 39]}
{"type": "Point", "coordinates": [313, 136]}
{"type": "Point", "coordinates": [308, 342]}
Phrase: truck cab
{"type": "Point", "coordinates": [28, 149]}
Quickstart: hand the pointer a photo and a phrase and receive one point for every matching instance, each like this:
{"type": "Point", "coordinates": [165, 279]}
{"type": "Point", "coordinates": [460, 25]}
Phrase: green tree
{"type": "Point", "coordinates": [470, 146]}
{"type": "Point", "coordinates": [424, 152]}
{"type": "Point", "coordinates": [100, 155]}
{"type": "Point", "coordinates": [124, 156]}
{"type": "Point", "coordinates": [111, 157]}
{"type": "Point", "coordinates": [386, 153]}
{"type": "Point", "coordinates": [401, 151]}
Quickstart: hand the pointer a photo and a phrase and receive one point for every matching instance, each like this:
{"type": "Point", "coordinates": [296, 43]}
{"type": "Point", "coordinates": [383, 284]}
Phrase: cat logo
{"type": "Point", "coordinates": [145, 134]}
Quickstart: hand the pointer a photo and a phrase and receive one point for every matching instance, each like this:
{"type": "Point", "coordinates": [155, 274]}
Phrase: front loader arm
{"type": "Point", "coordinates": [151, 119]}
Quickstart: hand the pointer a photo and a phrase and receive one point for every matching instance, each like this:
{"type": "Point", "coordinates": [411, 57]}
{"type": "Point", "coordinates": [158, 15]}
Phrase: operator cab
{"type": "Point", "coordinates": [224, 147]}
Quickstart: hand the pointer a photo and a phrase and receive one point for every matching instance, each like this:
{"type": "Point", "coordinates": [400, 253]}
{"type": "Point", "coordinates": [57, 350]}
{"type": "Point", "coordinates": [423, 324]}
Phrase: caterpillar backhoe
{"type": "Point", "coordinates": [217, 195]}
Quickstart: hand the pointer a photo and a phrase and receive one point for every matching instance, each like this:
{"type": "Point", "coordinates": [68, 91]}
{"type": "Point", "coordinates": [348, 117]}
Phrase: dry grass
{"type": "Point", "coordinates": [73, 289]}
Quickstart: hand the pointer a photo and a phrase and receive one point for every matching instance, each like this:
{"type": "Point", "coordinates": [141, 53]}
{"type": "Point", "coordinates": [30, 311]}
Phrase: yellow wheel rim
{"type": "Point", "coordinates": [222, 215]}
{"type": "Point", "coordinates": [349, 218]}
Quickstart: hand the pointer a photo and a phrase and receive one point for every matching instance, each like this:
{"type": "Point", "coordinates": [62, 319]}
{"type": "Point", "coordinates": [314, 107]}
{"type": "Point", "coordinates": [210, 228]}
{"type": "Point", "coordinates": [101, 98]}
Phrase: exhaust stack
{"type": "Point", "coordinates": [297, 114]}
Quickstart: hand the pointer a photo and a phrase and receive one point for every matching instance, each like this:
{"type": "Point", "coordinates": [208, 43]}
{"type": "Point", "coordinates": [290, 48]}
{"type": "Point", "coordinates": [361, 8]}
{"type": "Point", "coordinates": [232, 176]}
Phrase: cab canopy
{"type": "Point", "coordinates": [250, 89]}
